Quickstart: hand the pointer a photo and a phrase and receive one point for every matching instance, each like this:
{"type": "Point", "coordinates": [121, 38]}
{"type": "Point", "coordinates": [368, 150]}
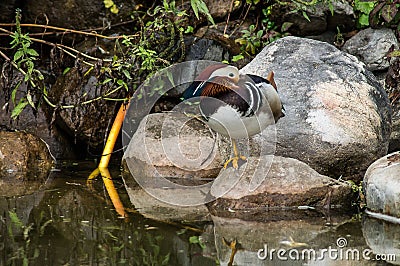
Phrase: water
{"type": "Point", "coordinates": [66, 223]}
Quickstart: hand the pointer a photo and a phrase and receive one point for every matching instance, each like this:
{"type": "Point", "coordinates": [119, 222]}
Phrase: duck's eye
{"type": "Point", "coordinates": [231, 75]}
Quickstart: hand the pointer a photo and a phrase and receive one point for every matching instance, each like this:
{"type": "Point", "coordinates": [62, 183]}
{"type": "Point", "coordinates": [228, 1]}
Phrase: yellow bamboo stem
{"type": "Point", "coordinates": [102, 168]}
{"type": "Point", "coordinates": [112, 137]}
{"type": "Point", "coordinates": [112, 192]}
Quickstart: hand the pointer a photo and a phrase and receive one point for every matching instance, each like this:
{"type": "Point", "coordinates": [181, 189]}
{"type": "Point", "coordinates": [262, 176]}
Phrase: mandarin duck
{"type": "Point", "coordinates": [234, 105]}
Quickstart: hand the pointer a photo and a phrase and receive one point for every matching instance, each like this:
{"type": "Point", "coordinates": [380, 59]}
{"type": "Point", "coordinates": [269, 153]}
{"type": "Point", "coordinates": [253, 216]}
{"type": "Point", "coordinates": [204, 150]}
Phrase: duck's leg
{"type": "Point", "coordinates": [236, 156]}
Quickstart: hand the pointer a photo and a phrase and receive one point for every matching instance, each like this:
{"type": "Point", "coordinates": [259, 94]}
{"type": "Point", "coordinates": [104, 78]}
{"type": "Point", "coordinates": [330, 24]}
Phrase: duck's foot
{"type": "Point", "coordinates": [235, 161]}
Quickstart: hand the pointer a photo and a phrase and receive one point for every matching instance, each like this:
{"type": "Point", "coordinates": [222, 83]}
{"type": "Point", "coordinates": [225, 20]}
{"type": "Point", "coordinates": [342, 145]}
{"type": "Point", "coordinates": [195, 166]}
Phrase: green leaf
{"type": "Point", "coordinates": [166, 260]}
{"type": "Point", "coordinates": [193, 3]}
{"type": "Point", "coordinates": [39, 74]}
{"type": "Point", "coordinates": [19, 108]}
{"type": "Point", "coordinates": [364, 6]}
{"type": "Point", "coordinates": [194, 240]}
{"type": "Point", "coordinates": [286, 26]}
{"type": "Point", "coordinates": [106, 80]}
{"type": "Point", "coordinates": [114, 9]}
{"type": "Point", "coordinates": [200, 6]}
{"type": "Point", "coordinates": [189, 29]}
{"type": "Point", "coordinates": [260, 33]}
{"type": "Point", "coordinates": [395, 53]}
{"type": "Point", "coordinates": [66, 70]}
{"type": "Point", "coordinates": [108, 3]}
{"type": "Point", "coordinates": [127, 74]}
{"type": "Point", "coordinates": [32, 52]}
{"type": "Point", "coordinates": [331, 8]}
{"type": "Point", "coordinates": [18, 54]}
{"type": "Point", "coordinates": [236, 58]}
{"type": "Point", "coordinates": [363, 20]}
{"type": "Point", "coordinates": [306, 16]}
{"type": "Point", "coordinates": [30, 101]}
{"type": "Point", "coordinates": [15, 220]}
{"type": "Point", "coordinates": [14, 92]}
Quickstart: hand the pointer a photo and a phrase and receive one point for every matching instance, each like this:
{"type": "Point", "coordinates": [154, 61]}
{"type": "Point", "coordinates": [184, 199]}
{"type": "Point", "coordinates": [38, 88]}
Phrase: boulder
{"type": "Point", "coordinates": [286, 183]}
{"type": "Point", "coordinates": [25, 163]}
{"type": "Point", "coordinates": [175, 145]}
{"type": "Point", "coordinates": [371, 46]}
{"type": "Point", "coordinates": [337, 114]}
{"type": "Point", "coordinates": [382, 185]}
{"type": "Point", "coordinates": [174, 158]}
{"type": "Point", "coordinates": [85, 123]}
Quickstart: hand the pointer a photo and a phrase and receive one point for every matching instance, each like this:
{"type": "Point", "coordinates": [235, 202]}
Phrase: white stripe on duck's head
{"type": "Point", "coordinates": [211, 74]}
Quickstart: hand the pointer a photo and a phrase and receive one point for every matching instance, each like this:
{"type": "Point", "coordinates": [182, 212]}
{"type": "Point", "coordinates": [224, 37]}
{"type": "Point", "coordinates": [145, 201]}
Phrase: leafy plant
{"type": "Point", "coordinates": [26, 253]}
{"type": "Point", "coordinates": [363, 8]}
{"type": "Point", "coordinates": [251, 39]}
{"type": "Point", "coordinates": [23, 59]}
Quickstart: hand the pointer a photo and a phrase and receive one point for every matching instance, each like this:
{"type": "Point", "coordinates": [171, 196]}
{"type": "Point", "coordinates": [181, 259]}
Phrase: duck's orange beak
{"type": "Point", "coordinates": [271, 80]}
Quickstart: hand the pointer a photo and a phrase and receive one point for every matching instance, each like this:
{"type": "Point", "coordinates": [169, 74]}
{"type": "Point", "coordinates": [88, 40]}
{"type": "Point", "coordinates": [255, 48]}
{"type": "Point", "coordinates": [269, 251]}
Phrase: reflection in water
{"type": "Point", "coordinates": [66, 223]}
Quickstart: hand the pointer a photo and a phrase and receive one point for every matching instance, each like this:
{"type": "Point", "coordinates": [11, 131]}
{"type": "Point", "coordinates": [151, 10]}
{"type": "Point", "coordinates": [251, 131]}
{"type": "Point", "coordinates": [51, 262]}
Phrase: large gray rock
{"type": "Point", "coordinates": [371, 46]}
{"type": "Point", "coordinates": [382, 185]}
{"type": "Point", "coordinates": [175, 145]}
{"type": "Point", "coordinates": [286, 183]}
{"type": "Point", "coordinates": [337, 114]}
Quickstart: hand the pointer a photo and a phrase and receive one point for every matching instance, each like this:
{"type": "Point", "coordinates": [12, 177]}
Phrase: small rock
{"type": "Point", "coordinates": [337, 114]}
{"type": "Point", "coordinates": [206, 49]}
{"type": "Point", "coordinates": [25, 163]}
{"type": "Point", "coordinates": [286, 183]}
{"type": "Point", "coordinates": [371, 46]}
{"type": "Point", "coordinates": [382, 185]}
{"type": "Point", "coordinates": [219, 9]}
